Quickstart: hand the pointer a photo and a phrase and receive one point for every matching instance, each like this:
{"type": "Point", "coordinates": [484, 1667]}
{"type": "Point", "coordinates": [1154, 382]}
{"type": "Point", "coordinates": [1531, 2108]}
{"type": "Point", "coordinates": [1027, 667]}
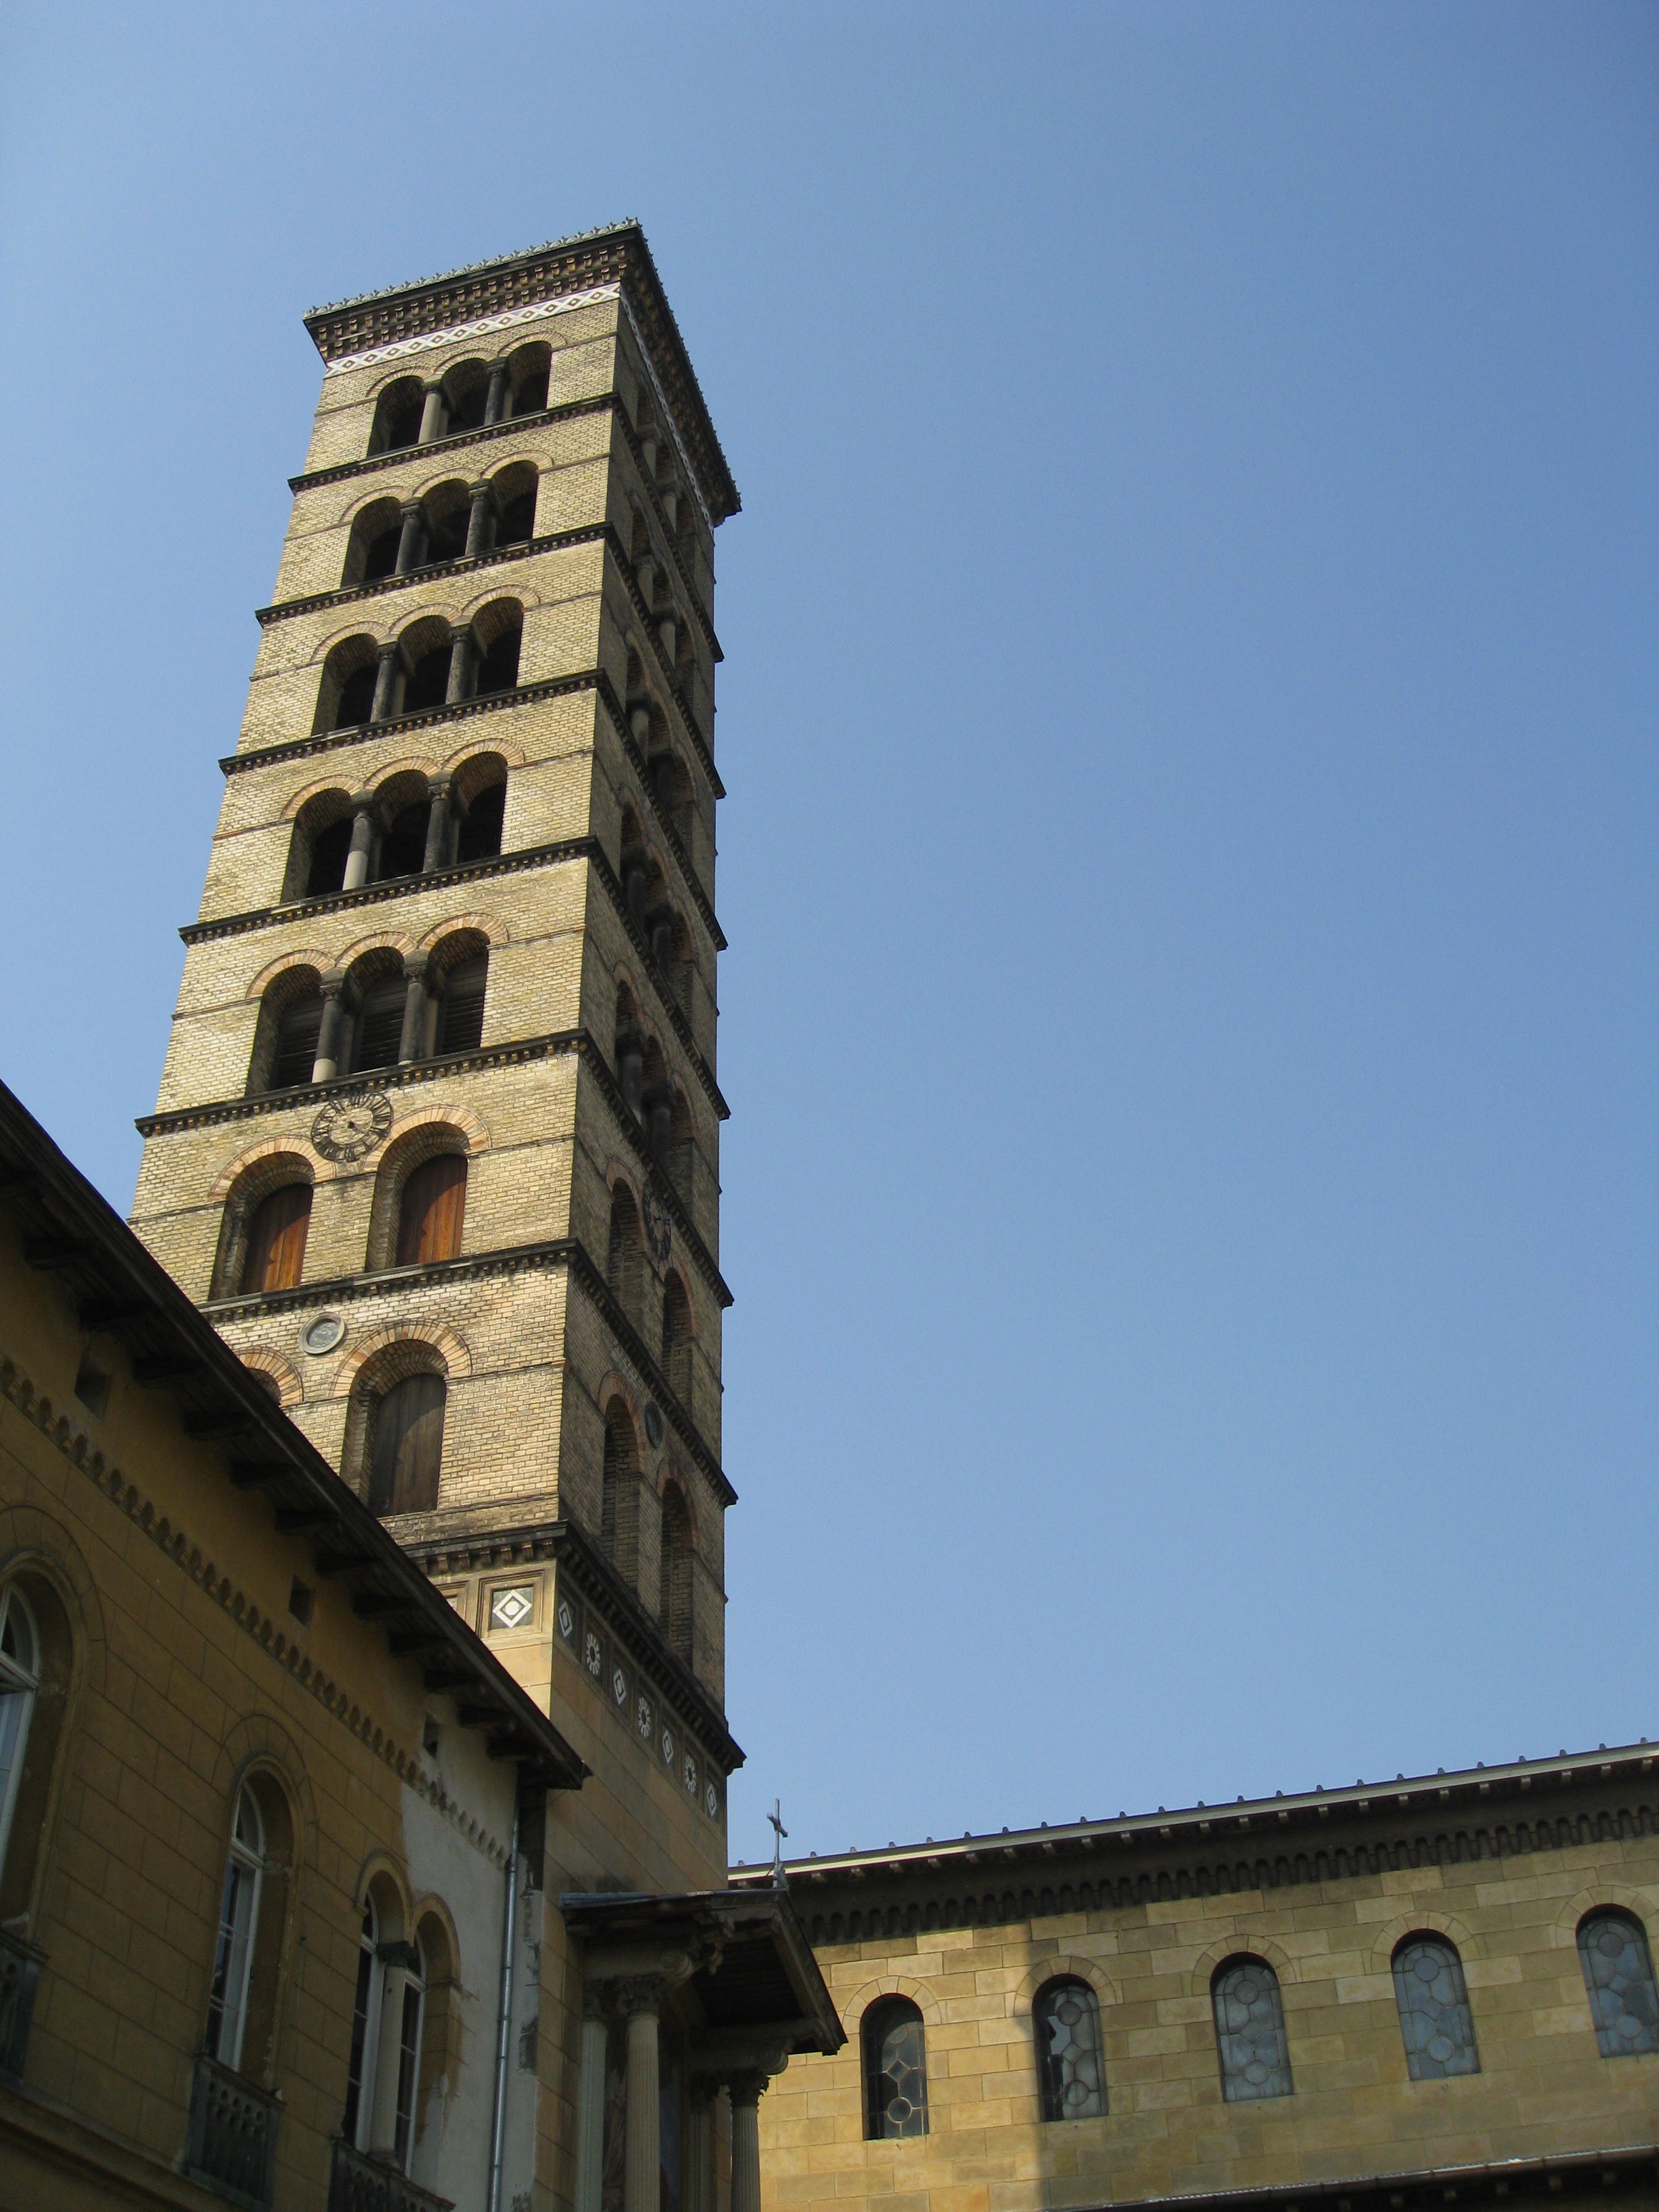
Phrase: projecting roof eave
{"type": "Point", "coordinates": [1260, 1816]}
{"type": "Point", "coordinates": [615, 253]}
{"type": "Point", "coordinates": [123, 1291]}
{"type": "Point", "coordinates": [743, 1930]}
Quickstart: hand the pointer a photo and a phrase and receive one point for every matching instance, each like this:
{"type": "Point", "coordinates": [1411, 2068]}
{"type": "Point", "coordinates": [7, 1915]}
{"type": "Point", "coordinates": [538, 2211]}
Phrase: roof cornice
{"type": "Point", "coordinates": [616, 254]}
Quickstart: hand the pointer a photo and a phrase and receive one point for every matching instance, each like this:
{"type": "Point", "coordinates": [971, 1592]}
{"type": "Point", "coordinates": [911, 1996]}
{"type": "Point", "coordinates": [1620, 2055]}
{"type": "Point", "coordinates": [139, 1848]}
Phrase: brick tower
{"type": "Point", "coordinates": [437, 1142]}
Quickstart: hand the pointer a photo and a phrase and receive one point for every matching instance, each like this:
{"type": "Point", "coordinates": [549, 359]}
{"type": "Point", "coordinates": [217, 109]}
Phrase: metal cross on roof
{"type": "Point", "coordinates": [775, 1816]}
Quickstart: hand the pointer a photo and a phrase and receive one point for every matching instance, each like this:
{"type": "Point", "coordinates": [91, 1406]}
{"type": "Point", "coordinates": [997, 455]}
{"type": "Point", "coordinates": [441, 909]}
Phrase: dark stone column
{"type": "Point", "coordinates": [365, 823]}
{"type": "Point", "coordinates": [326, 1066]}
{"type": "Point", "coordinates": [411, 1043]}
{"type": "Point", "coordinates": [386, 701]}
{"type": "Point", "coordinates": [432, 411]}
{"type": "Point", "coordinates": [409, 546]}
{"type": "Point", "coordinates": [463, 666]}
{"type": "Point", "coordinates": [498, 398]}
{"type": "Point", "coordinates": [631, 1066]}
{"type": "Point", "coordinates": [437, 827]}
{"type": "Point", "coordinates": [480, 521]}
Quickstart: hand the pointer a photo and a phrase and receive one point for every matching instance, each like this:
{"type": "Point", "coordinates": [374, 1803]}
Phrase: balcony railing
{"type": "Point", "coordinates": [232, 2136]}
{"type": "Point", "coordinates": [20, 1972]}
{"type": "Point", "coordinates": [357, 2183]}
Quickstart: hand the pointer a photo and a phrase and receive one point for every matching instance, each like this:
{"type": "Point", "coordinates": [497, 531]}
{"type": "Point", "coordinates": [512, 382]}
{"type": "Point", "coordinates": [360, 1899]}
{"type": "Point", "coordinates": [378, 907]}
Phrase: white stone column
{"type": "Point", "coordinates": [590, 2113]}
{"type": "Point", "coordinates": [642, 2140]}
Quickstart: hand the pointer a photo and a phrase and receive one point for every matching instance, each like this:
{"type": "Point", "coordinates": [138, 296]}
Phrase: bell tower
{"type": "Point", "coordinates": [437, 1142]}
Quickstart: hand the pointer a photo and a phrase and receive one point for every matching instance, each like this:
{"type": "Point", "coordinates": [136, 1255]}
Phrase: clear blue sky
{"type": "Point", "coordinates": [1188, 715]}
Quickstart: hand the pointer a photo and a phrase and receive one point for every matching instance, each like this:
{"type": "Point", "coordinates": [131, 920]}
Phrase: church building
{"type": "Point", "coordinates": [419, 1319]}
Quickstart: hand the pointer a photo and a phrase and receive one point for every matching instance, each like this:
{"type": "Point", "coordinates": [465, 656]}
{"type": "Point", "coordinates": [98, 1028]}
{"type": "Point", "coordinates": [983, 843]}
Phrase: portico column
{"type": "Point", "coordinates": [409, 541]}
{"type": "Point", "coordinates": [698, 2192]}
{"type": "Point", "coordinates": [411, 1045]}
{"type": "Point", "coordinates": [642, 2137]}
{"type": "Point", "coordinates": [590, 2105]}
{"type": "Point", "coordinates": [746, 2088]}
{"type": "Point", "coordinates": [385, 682]}
{"type": "Point", "coordinates": [437, 827]}
{"type": "Point", "coordinates": [496, 399]}
{"type": "Point", "coordinates": [363, 843]}
{"type": "Point", "coordinates": [480, 521]}
{"type": "Point", "coordinates": [462, 665]}
{"type": "Point", "coordinates": [432, 413]}
{"type": "Point", "coordinates": [326, 1066]}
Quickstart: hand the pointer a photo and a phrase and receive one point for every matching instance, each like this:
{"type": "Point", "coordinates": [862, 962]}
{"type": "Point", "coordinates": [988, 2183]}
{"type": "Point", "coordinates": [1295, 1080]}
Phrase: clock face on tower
{"type": "Point", "coordinates": [353, 1124]}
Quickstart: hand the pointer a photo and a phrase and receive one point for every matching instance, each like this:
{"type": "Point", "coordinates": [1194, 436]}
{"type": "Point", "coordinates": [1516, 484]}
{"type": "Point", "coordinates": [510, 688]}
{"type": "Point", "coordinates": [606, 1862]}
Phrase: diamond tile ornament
{"type": "Point", "coordinates": [511, 1608]}
{"type": "Point", "coordinates": [619, 1685]}
{"type": "Point", "coordinates": [566, 1617]}
{"type": "Point", "coordinates": [668, 1747]}
{"type": "Point", "coordinates": [711, 1801]}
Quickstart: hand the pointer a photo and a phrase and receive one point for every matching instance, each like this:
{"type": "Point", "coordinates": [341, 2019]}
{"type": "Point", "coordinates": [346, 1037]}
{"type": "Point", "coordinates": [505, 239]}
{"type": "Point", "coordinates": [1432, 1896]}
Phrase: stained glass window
{"type": "Point", "coordinates": [1069, 2051]}
{"type": "Point", "coordinates": [1250, 2032]}
{"type": "Point", "coordinates": [896, 2069]}
{"type": "Point", "coordinates": [1613, 1949]}
{"type": "Point", "coordinates": [1434, 2008]}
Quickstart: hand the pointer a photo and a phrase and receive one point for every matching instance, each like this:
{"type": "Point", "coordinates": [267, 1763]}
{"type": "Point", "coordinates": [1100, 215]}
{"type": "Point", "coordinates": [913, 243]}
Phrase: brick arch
{"type": "Point", "coordinates": [311, 956]}
{"type": "Point", "coordinates": [1243, 1943]}
{"type": "Point", "coordinates": [378, 940]}
{"type": "Point", "coordinates": [670, 1473]}
{"type": "Point", "coordinates": [893, 1985]}
{"type": "Point", "coordinates": [1061, 1964]}
{"type": "Point", "coordinates": [489, 926]}
{"type": "Point", "coordinates": [302, 795]}
{"type": "Point", "coordinates": [364, 626]}
{"type": "Point", "coordinates": [258, 1739]}
{"type": "Point", "coordinates": [529, 601]}
{"type": "Point", "coordinates": [449, 1348]}
{"type": "Point", "coordinates": [407, 765]}
{"type": "Point", "coordinates": [616, 1384]}
{"type": "Point", "coordinates": [281, 1370]}
{"type": "Point", "coordinates": [380, 1869]}
{"type": "Point", "coordinates": [471, 1124]}
{"type": "Point", "coordinates": [513, 754]}
{"type": "Point", "coordinates": [272, 1148]}
{"type": "Point", "coordinates": [1428, 1919]}
{"type": "Point", "coordinates": [1643, 1903]}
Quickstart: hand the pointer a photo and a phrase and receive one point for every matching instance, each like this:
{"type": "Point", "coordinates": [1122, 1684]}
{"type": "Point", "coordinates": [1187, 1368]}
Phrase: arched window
{"type": "Point", "coordinates": [498, 630]}
{"type": "Point", "coordinates": [277, 1240]}
{"type": "Point", "coordinates": [676, 1555]}
{"type": "Point", "coordinates": [239, 1914]}
{"type": "Point", "coordinates": [1069, 2061]}
{"type": "Point", "coordinates": [20, 1679]}
{"type": "Point", "coordinates": [624, 1252]}
{"type": "Point", "coordinates": [894, 2071]}
{"type": "Point", "coordinates": [345, 697]}
{"type": "Point", "coordinates": [461, 1010]}
{"type": "Point", "coordinates": [515, 504]}
{"type": "Point", "coordinates": [428, 648]}
{"type": "Point", "coordinates": [1434, 2008]}
{"type": "Point", "coordinates": [528, 369]}
{"type": "Point", "coordinates": [466, 388]}
{"type": "Point", "coordinates": [383, 2072]}
{"type": "Point", "coordinates": [378, 1028]}
{"type": "Point", "coordinates": [619, 1500]}
{"type": "Point", "coordinates": [1249, 2031]}
{"type": "Point", "coordinates": [285, 1038]}
{"type": "Point", "coordinates": [396, 416]}
{"type": "Point", "coordinates": [430, 1209]}
{"type": "Point", "coordinates": [365, 2019]}
{"type": "Point", "coordinates": [676, 1340]}
{"type": "Point", "coordinates": [444, 516]}
{"type": "Point", "coordinates": [407, 805]}
{"type": "Point", "coordinates": [407, 1446]}
{"type": "Point", "coordinates": [1613, 1950]}
{"type": "Point", "coordinates": [372, 549]}
{"type": "Point", "coordinates": [480, 836]}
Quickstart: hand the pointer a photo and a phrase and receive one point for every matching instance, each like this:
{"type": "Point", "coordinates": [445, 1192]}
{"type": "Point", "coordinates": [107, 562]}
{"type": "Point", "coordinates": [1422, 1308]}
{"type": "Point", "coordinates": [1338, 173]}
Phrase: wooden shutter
{"type": "Point", "coordinates": [430, 1212]}
{"type": "Point", "coordinates": [297, 1032]}
{"type": "Point", "coordinates": [460, 1028]}
{"type": "Point", "coordinates": [380, 1026]}
{"type": "Point", "coordinates": [277, 1240]}
{"type": "Point", "coordinates": [409, 1444]}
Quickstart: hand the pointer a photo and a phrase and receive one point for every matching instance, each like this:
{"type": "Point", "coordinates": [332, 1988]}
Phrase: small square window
{"type": "Point", "coordinates": [92, 1388]}
{"type": "Point", "coordinates": [301, 1598]}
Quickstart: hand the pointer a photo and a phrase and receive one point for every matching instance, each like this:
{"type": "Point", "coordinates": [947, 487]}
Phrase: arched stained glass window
{"type": "Point", "coordinates": [895, 2069]}
{"type": "Point", "coordinates": [1434, 2008]}
{"type": "Point", "coordinates": [1613, 1949]}
{"type": "Point", "coordinates": [1249, 2031]}
{"type": "Point", "coordinates": [1068, 2050]}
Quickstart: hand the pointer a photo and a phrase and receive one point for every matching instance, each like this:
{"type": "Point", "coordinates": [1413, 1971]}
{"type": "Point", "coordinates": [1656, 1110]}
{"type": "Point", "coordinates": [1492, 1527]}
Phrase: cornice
{"type": "Point", "coordinates": [589, 533]}
{"type": "Point", "coordinates": [616, 255]}
{"type": "Point", "coordinates": [601, 403]}
{"type": "Point", "coordinates": [553, 1045]}
{"type": "Point", "coordinates": [568, 1252]}
{"type": "Point", "coordinates": [502, 864]}
{"type": "Point", "coordinates": [1425, 2189]}
{"type": "Point", "coordinates": [602, 1586]}
{"type": "Point", "coordinates": [1489, 1813]}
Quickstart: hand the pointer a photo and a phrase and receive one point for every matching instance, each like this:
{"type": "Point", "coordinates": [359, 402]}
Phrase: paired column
{"type": "Point", "coordinates": [412, 1044]}
{"type": "Point", "coordinates": [437, 826]}
{"type": "Point", "coordinates": [631, 1066]}
{"type": "Point", "coordinates": [432, 411]}
{"type": "Point", "coordinates": [481, 520]}
{"type": "Point", "coordinates": [326, 1066]}
{"type": "Point", "coordinates": [409, 546]}
{"type": "Point", "coordinates": [499, 398]}
{"type": "Point", "coordinates": [463, 665]}
{"type": "Point", "coordinates": [364, 825]}
{"type": "Point", "coordinates": [390, 668]}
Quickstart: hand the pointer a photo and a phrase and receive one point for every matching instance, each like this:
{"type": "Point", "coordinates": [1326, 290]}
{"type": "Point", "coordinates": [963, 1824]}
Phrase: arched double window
{"type": "Point", "coordinates": [624, 1252]}
{"type": "Point", "coordinates": [1249, 2031]}
{"type": "Point", "coordinates": [1069, 2059]}
{"type": "Point", "coordinates": [676, 1555]}
{"type": "Point", "coordinates": [676, 1340]}
{"type": "Point", "coordinates": [1613, 1950]}
{"type": "Point", "coordinates": [619, 1494]}
{"type": "Point", "coordinates": [1434, 2008]}
{"type": "Point", "coordinates": [894, 2071]}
